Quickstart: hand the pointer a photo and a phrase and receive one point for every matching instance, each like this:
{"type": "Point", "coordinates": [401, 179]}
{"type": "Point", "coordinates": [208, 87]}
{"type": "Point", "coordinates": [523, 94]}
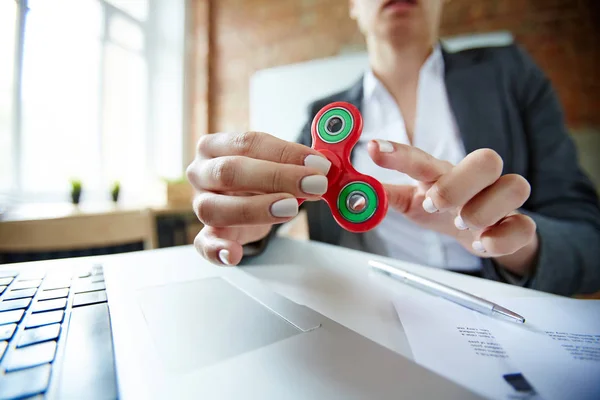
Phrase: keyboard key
{"type": "Point", "coordinates": [8, 305]}
{"type": "Point", "coordinates": [8, 274]}
{"type": "Point", "coordinates": [49, 305]}
{"type": "Point", "coordinates": [20, 294]}
{"type": "Point", "coordinates": [56, 284]}
{"type": "Point", "coordinates": [26, 284]}
{"type": "Point", "coordinates": [3, 346]}
{"type": "Point", "coordinates": [84, 274]}
{"type": "Point", "coordinates": [32, 276]}
{"type": "Point", "coordinates": [9, 317]}
{"type": "Point", "coordinates": [5, 281]}
{"type": "Point", "coordinates": [2, 289]}
{"type": "Point", "coordinates": [39, 335]}
{"type": "Point", "coordinates": [87, 363]}
{"type": "Point", "coordinates": [97, 278]}
{"type": "Point", "coordinates": [6, 331]}
{"type": "Point", "coordinates": [83, 299]}
{"type": "Point", "coordinates": [53, 294]}
{"type": "Point", "coordinates": [90, 287]}
{"type": "Point", "coordinates": [46, 318]}
{"type": "Point", "coordinates": [25, 383]}
{"type": "Point", "coordinates": [30, 356]}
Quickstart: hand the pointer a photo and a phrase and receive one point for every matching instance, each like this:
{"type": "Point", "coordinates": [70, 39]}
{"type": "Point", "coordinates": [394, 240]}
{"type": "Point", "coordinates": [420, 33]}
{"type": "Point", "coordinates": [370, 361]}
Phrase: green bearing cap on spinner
{"type": "Point", "coordinates": [357, 202]}
{"type": "Point", "coordinates": [335, 125]}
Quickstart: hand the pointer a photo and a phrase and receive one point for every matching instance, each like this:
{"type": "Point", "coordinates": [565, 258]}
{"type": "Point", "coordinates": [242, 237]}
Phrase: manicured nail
{"type": "Point", "coordinates": [478, 246]}
{"type": "Point", "coordinates": [385, 146]}
{"type": "Point", "coordinates": [285, 208]}
{"type": "Point", "coordinates": [317, 162]}
{"type": "Point", "coordinates": [224, 257]}
{"type": "Point", "coordinates": [315, 184]}
{"type": "Point", "coordinates": [429, 206]}
{"type": "Point", "coordinates": [460, 223]}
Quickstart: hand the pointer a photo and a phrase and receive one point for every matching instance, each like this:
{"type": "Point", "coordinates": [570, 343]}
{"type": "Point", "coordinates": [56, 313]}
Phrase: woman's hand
{"type": "Point", "coordinates": [471, 201]}
{"type": "Point", "coordinates": [244, 184]}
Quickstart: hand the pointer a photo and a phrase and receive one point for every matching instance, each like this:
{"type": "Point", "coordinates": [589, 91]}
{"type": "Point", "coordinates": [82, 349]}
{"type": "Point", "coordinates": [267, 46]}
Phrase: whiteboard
{"type": "Point", "coordinates": [279, 97]}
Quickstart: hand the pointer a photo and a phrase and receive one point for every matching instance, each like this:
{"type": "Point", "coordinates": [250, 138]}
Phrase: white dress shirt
{"type": "Point", "coordinates": [435, 132]}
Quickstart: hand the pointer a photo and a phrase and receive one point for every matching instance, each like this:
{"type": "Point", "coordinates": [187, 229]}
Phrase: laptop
{"type": "Point", "coordinates": [165, 324]}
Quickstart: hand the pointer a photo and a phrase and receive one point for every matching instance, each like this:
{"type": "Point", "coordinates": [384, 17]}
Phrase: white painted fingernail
{"type": "Point", "coordinates": [224, 257]}
{"type": "Point", "coordinates": [318, 162]}
{"type": "Point", "coordinates": [315, 184]}
{"type": "Point", "coordinates": [285, 208]}
{"type": "Point", "coordinates": [460, 223]}
{"type": "Point", "coordinates": [478, 246]}
{"type": "Point", "coordinates": [429, 206]}
{"type": "Point", "coordinates": [385, 146]}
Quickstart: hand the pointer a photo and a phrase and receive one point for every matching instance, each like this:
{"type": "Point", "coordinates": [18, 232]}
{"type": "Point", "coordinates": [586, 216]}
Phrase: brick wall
{"type": "Point", "coordinates": [563, 36]}
{"type": "Point", "coordinates": [235, 38]}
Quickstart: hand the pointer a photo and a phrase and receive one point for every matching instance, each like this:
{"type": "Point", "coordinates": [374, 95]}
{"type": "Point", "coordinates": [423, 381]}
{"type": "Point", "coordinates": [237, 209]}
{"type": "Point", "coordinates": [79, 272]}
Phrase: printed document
{"type": "Point", "coordinates": [554, 355]}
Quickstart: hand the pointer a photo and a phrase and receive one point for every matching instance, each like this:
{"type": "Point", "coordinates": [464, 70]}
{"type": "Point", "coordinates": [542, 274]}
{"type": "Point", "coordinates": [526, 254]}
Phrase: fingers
{"type": "Point", "coordinates": [495, 202]}
{"type": "Point", "coordinates": [261, 146]}
{"type": "Point", "coordinates": [223, 246]}
{"type": "Point", "coordinates": [510, 235]}
{"type": "Point", "coordinates": [400, 197]}
{"type": "Point", "coordinates": [410, 160]}
{"type": "Point", "coordinates": [242, 174]}
{"type": "Point", "coordinates": [218, 249]}
{"type": "Point", "coordinates": [217, 210]}
{"type": "Point", "coordinates": [474, 173]}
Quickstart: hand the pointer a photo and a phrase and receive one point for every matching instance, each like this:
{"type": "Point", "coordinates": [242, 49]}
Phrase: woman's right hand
{"type": "Point", "coordinates": [245, 183]}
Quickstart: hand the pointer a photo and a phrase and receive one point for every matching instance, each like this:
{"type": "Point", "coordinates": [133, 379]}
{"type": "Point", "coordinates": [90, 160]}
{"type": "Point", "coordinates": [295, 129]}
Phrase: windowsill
{"type": "Point", "coordinates": [40, 211]}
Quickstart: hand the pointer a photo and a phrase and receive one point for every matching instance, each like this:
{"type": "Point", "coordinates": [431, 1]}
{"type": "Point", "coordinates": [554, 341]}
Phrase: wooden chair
{"type": "Point", "coordinates": [78, 232]}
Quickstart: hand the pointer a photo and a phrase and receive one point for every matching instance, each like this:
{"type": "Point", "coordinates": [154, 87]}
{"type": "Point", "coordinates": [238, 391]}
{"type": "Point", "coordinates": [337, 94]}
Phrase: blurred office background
{"type": "Point", "coordinates": [105, 91]}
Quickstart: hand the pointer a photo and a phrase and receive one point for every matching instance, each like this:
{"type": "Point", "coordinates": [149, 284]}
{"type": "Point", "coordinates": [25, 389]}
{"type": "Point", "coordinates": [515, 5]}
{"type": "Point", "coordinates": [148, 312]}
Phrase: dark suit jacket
{"type": "Point", "coordinates": [501, 100]}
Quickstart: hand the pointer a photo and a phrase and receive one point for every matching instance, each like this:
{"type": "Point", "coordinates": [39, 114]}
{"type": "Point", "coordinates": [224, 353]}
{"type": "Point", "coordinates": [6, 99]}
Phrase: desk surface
{"type": "Point", "coordinates": [338, 283]}
{"type": "Point", "coordinates": [44, 211]}
{"type": "Point", "coordinates": [334, 281]}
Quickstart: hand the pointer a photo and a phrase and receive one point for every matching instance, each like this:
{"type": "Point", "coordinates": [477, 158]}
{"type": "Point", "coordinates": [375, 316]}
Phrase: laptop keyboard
{"type": "Point", "coordinates": [35, 310]}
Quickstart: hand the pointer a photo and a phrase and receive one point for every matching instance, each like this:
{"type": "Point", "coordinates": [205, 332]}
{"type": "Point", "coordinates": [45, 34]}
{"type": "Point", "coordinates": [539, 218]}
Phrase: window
{"type": "Point", "coordinates": [89, 87]}
{"type": "Point", "coordinates": [8, 28]}
{"type": "Point", "coordinates": [60, 92]}
{"type": "Point", "coordinates": [136, 8]}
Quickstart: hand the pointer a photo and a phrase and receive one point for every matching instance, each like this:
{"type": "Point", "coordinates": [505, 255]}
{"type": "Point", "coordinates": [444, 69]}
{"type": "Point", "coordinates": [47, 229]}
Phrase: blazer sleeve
{"type": "Point", "coordinates": [563, 200]}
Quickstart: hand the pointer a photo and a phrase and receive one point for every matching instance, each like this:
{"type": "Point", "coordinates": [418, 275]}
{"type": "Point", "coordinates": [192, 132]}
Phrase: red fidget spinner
{"type": "Point", "coordinates": [358, 202]}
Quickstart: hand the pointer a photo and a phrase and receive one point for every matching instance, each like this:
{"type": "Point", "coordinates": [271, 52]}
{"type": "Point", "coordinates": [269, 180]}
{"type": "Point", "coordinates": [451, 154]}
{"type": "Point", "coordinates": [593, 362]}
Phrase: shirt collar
{"type": "Point", "coordinates": [434, 64]}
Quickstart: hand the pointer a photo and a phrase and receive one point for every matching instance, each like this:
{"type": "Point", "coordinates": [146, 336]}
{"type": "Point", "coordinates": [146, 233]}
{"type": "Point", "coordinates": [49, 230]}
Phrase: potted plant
{"type": "Point", "coordinates": [76, 188]}
{"type": "Point", "coordinates": [114, 192]}
{"type": "Point", "coordinates": [178, 191]}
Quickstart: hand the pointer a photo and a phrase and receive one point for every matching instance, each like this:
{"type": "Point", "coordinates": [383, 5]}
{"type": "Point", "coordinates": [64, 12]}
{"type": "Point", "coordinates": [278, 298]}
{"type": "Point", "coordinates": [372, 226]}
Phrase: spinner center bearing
{"type": "Point", "coordinates": [357, 202]}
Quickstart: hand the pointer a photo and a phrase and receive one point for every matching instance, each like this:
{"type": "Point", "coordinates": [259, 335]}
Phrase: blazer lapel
{"type": "Point", "coordinates": [354, 96]}
{"type": "Point", "coordinates": [474, 99]}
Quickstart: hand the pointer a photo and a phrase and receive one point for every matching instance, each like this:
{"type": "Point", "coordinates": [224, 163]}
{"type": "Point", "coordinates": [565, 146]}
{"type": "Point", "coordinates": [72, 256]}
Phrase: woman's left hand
{"type": "Point", "coordinates": [472, 201]}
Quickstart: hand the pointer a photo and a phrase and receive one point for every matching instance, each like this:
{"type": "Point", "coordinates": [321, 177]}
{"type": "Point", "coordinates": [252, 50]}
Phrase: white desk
{"type": "Point", "coordinates": [337, 283]}
{"type": "Point", "coordinates": [331, 280]}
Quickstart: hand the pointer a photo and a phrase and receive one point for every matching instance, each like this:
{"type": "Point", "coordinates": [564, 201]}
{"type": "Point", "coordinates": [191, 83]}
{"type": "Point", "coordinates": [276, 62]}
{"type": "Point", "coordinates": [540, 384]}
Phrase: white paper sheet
{"type": "Point", "coordinates": [554, 355]}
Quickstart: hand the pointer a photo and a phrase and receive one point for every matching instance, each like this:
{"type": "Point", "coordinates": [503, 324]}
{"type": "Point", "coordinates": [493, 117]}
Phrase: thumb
{"type": "Point", "coordinates": [400, 197]}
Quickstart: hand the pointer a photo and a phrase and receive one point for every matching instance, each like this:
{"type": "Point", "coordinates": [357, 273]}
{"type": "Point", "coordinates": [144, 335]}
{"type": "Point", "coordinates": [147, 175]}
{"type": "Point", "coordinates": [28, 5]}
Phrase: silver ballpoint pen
{"type": "Point", "coordinates": [454, 295]}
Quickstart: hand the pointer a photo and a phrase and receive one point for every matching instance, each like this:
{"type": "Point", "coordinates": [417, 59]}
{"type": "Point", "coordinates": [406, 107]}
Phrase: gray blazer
{"type": "Point", "coordinates": [501, 100]}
